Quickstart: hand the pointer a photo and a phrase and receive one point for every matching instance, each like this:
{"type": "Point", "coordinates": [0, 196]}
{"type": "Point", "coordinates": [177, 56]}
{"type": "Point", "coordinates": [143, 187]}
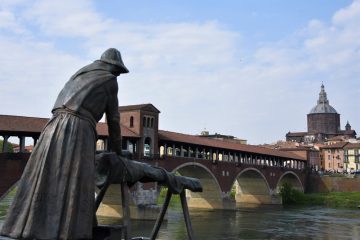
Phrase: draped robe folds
{"type": "Point", "coordinates": [55, 195]}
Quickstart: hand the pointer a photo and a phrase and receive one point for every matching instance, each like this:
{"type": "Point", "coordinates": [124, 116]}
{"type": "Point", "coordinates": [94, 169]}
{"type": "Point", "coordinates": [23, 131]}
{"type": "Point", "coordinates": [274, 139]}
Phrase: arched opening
{"type": "Point", "coordinates": [148, 122]}
{"type": "Point", "coordinates": [152, 123]}
{"type": "Point", "coordinates": [147, 147]}
{"type": "Point", "coordinates": [292, 179]}
{"type": "Point", "coordinates": [131, 121]}
{"type": "Point", "coordinates": [220, 156]}
{"type": "Point", "coordinates": [211, 195]}
{"type": "Point", "coordinates": [214, 156]}
{"type": "Point", "coordinates": [144, 121]}
{"type": "Point", "coordinates": [100, 145]}
{"type": "Point", "coordinates": [162, 151]}
{"type": "Point", "coordinates": [131, 147]}
{"type": "Point", "coordinates": [251, 188]}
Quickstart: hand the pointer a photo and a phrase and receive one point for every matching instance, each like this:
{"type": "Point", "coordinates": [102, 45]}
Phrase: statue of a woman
{"type": "Point", "coordinates": [55, 196]}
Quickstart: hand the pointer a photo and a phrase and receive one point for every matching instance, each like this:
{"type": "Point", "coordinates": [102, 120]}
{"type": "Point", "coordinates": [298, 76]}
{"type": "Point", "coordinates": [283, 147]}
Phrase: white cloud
{"type": "Point", "coordinates": [193, 72]}
{"type": "Point", "coordinates": [348, 16]}
{"type": "Point", "coordinates": [66, 18]}
{"type": "Point", "coordinates": [31, 74]}
{"type": "Point", "coordinates": [7, 20]}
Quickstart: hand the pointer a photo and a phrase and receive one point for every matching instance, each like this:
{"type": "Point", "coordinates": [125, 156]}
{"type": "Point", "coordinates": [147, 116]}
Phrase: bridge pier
{"type": "Point", "coordinates": [5, 143]}
{"type": "Point", "coordinates": [21, 143]}
{"type": "Point", "coordinates": [275, 197]}
{"type": "Point", "coordinates": [259, 199]}
{"type": "Point", "coordinates": [195, 200]}
{"type": "Point", "coordinates": [142, 203]}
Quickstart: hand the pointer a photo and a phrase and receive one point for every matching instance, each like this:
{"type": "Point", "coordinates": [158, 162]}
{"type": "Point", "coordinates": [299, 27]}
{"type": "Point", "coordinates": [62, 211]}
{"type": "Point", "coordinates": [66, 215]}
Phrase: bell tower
{"type": "Point", "coordinates": [143, 121]}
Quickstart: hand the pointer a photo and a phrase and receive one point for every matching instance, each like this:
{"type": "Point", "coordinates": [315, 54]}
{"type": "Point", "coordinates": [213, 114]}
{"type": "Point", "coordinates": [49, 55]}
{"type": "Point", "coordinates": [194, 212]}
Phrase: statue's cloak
{"type": "Point", "coordinates": [55, 196]}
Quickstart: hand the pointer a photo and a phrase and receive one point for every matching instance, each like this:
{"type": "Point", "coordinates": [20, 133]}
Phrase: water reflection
{"type": "Point", "coordinates": [262, 223]}
{"type": "Point", "coordinates": [254, 223]}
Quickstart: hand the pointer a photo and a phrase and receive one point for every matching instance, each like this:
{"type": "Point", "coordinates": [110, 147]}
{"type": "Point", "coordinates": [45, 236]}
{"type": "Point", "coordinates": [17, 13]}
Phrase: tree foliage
{"type": "Point", "coordinates": [9, 146]}
{"type": "Point", "coordinates": [290, 195]}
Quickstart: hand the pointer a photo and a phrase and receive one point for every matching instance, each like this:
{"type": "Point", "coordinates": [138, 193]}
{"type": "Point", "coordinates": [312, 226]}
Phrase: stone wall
{"type": "Point", "coordinates": [328, 123]}
{"type": "Point", "coordinates": [333, 184]}
{"type": "Point", "coordinates": [11, 168]}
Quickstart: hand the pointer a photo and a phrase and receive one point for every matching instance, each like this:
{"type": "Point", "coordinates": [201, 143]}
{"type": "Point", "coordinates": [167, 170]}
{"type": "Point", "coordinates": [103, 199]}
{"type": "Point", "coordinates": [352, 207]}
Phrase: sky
{"type": "Point", "coordinates": [247, 68]}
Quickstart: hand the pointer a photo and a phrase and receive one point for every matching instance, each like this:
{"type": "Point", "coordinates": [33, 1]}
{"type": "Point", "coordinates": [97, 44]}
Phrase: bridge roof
{"type": "Point", "coordinates": [10, 123]}
{"type": "Point", "coordinates": [102, 130]}
{"type": "Point", "coordinates": [32, 125]}
{"type": "Point", "coordinates": [223, 144]}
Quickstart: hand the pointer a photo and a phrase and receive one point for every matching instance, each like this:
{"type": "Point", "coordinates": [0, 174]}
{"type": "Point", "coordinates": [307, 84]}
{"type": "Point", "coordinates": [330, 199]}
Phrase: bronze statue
{"type": "Point", "coordinates": [55, 196]}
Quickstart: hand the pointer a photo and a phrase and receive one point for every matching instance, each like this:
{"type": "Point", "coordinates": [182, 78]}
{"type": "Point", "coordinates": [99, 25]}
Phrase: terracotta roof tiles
{"type": "Point", "coordinates": [22, 124]}
{"type": "Point", "coordinates": [334, 145]}
{"type": "Point", "coordinates": [145, 106]}
{"type": "Point", "coordinates": [102, 130]}
{"type": "Point", "coordinates": [352, 145]}
{"type": "Point", "coordinates": [33, 125]}
{"type": "Point", "coordinates": [196, 140]}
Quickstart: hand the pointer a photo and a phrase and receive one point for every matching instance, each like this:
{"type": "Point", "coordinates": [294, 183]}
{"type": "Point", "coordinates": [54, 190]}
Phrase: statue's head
{"type": "Point", "coordinates": [113, 56]}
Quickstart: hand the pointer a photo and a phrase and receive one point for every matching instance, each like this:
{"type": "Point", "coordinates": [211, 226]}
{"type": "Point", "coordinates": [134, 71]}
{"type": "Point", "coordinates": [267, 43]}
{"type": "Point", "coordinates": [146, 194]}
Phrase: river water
{"type": "Point", "coordinates": [270, 222]}
{"type": "Point", "coordinates": [262, 223]}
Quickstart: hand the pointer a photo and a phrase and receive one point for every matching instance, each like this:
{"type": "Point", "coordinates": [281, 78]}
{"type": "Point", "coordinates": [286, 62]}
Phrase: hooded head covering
{"type": "Point", "coordinates": [113, 56]}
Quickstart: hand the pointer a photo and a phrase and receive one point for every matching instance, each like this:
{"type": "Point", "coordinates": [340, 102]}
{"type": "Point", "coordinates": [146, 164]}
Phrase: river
{"type": "Point", "coordinates": [262, 223]}
{"type": "Point", "coordinates": [271, 222]}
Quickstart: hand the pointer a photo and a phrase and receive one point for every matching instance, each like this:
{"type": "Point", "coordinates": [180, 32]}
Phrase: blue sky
{"type": "Point", "coordinates": [248, 68]}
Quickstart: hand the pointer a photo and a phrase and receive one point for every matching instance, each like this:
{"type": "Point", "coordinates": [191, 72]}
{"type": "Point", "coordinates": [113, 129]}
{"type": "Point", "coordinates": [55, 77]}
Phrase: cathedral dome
{"type": "Point", "coordinates": [323, 105]}
{"type": "Point", "coordinates": [322, 108]}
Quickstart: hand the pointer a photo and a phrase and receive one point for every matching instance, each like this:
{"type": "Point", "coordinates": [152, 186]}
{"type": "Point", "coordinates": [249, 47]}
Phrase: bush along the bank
{"type": "Point", "coordinates": [175, 198]}
{"type": "Point", "coordinates": [290, 195]}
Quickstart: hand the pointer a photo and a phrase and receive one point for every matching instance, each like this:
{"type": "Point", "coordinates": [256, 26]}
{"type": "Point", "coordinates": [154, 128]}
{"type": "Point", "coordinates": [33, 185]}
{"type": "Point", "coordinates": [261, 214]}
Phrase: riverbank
{"type": "Point", "coordinates": [175, 198]}
{"type": "Point", "coordinates": [5, 202]}
{"type": "Point", "coordinates": [349, 200]}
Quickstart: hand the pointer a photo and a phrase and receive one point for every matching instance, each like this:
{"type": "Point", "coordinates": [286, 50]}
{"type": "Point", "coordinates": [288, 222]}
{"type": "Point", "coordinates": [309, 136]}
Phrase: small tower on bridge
{"type": "Point", "coordinates": [143, 120]}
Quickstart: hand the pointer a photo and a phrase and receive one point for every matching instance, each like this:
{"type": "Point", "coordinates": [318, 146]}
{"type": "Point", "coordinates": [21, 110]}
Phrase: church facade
{"type": "Point", "coordinates": [323, 123]}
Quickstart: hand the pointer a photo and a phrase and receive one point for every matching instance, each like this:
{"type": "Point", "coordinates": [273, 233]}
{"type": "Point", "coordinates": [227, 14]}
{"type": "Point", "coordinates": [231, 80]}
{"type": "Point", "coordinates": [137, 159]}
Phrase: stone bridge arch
{"type": "Point", "coordinates": [292, 178]}
{"type": "Point", "coordinates": [211, 197]}
{"type": "Point", "coordinates": [220, 177]}
{"type": "Point", "coordinates": [251, 187]}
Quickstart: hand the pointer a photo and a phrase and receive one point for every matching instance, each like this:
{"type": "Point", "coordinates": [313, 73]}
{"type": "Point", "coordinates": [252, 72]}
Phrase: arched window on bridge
{"type": "Point", "coordinates": [214, 156]}
{"type": "Point", "coordinates": [100, 145]}
{"type": "Point", "coordinates": [177, 152]}
{"type": "Point", "coordinates": [162, 151]}
{"type": "Point", "coordinates": [191, 152]}
{"type": "Point", "coordinates": [185, 152]}
{"type": "Point", "coordinates": [148, 122]}
{"type": "Point", "coordinates": [131, 147]}
{"type": "Point", "coordinates": [147, 147]}
{"type": "Point", "coordinates": [131, 121]}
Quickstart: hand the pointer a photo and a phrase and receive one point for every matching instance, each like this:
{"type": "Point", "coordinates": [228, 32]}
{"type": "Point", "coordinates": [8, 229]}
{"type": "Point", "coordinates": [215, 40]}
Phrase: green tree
{"type": "Point", "coordinates": [9, 146]}
{"type": "Point", "coordinates": [290, 195]}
